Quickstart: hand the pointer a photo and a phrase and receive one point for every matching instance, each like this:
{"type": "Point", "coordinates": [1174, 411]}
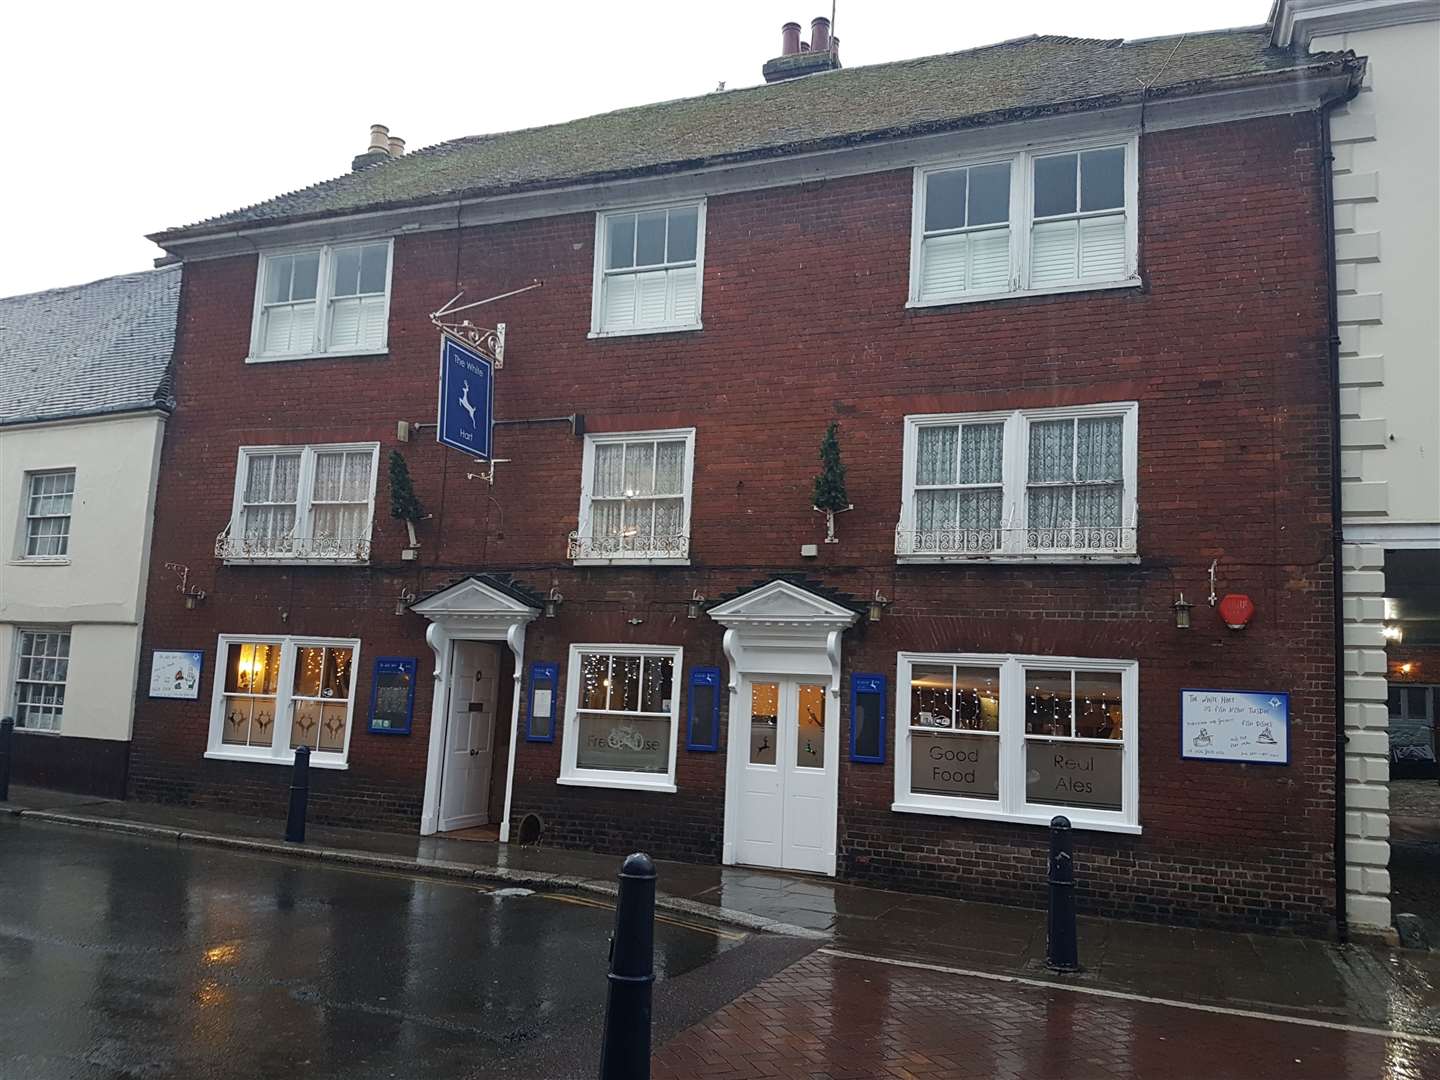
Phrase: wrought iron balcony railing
{"type": "Point", "coordinates": [298, 548]}
{"type": "Point", "coordinates": [623, 547]}
{"type": "Point", "coordinates": [1070, 541]}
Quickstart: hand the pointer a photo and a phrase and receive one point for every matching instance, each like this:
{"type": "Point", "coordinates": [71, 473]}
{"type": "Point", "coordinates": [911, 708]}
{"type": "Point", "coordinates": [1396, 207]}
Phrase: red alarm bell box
{"type": "Point", "coordinates": [1237, 610]}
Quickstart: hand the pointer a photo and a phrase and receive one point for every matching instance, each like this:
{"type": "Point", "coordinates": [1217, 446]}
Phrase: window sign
{"type": "Point", "coordinates": [540, 720]}
{"type": "Point", "coordinates": [466, 398]}
{"type": "Point", "coordinates": [703, 732]}
{"type": "Point", "coordinates": [175, 673]}
{"type": "Point", "coordinates": [392, 695]}
{"type": "Point", "coordinates": [1235, 725]}
{"type": "Point", "coordinates": [867, 719]}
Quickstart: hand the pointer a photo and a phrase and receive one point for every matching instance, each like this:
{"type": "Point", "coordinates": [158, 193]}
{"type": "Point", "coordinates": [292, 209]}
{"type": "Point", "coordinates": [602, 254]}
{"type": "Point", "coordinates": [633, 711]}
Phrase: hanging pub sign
{"type": "Point", "coordinates": [467, 397]}
{"type": "Point", "coordinates": [392, 695]}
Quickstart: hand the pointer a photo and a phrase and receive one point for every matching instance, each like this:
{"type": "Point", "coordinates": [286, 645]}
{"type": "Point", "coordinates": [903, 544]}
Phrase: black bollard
{"type": "Point", "coordinates": [7, 744]}
{"type": "Point", "coordinates": [299, 796]}
{"type": "Point", "coordinates": [625, 1052]}
{"type": "Point", "coordinates": [1061, 947]}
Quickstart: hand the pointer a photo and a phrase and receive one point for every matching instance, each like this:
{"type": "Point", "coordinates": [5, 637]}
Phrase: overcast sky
{"type": "Point", "coordinates": [122, 119]}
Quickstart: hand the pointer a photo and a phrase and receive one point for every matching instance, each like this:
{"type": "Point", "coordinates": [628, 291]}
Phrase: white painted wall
{"type": "Point", "coordinates": [1387, 246]}
{"type": "Point", "coordinates": [99, 590]}
{"type": "Point", "coordinates": [1387, 218]}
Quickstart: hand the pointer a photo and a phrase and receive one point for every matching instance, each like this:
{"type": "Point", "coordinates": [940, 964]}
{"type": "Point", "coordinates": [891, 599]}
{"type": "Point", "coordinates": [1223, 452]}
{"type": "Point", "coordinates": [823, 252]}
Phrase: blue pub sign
{"type": "Point", "coordinates": [467, 398]}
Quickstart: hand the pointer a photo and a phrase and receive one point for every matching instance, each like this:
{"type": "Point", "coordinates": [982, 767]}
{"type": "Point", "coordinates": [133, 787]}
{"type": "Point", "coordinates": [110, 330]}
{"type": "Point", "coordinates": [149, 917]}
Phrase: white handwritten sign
{"type": "Point", "coordinates": [175, 673]}
{"type": "Point", "coordinates": [1235, 725]}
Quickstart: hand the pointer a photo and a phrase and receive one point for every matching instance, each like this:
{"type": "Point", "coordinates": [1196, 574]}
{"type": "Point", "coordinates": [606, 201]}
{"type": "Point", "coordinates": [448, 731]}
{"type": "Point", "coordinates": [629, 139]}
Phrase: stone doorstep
{"type": "Point", "coordinates": [498, 875]}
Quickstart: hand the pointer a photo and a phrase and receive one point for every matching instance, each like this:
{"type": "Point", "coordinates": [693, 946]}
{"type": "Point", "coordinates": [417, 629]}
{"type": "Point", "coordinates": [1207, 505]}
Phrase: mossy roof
{"type": "Point", "coordinates": [1014, 79]}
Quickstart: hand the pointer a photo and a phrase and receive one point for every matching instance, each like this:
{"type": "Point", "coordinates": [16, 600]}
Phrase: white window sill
{"type": "Point", "coordinates": [612, 781]}
{"type": "Point", "coordinates": [317, 760]}
{"type": "Point", "coordinates": [41, 560]}
{"type": "Point", "coordinates": [639, 330]}
{"type": "Point", "coordinates": [1054, 290]}
{"type": "Point", "coordinates": [1078, 817]}
{"type": "Point", "coordinates": [53, 733]}
{"type": "Point", "coordinates": [1066, 558]}
{"type": "Point", "coordinates": [640, 561]}
{"type": "Point", "coordinates": [339, 354]}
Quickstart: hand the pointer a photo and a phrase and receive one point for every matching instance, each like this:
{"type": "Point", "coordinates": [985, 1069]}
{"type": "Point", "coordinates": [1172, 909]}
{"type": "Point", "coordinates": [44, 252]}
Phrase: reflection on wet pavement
{"type": "Point", "coordinates": [121, 957]}
{"type": "Point", "coordinates": [846, 1019]}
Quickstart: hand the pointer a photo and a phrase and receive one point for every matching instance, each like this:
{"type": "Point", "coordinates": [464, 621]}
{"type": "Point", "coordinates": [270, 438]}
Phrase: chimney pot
{"type": "Point", "coordinates": [396, 146]}
{"type": "Point", "coordinates": [379, 137]}
{"type": "Point", "coordinates": [820, 34]}
{"type": "Point", "coordinates": [790, 39]}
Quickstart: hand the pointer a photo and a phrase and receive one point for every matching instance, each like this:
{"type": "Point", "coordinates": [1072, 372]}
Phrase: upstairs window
{"type": "Point", "coordinates": [322, 300]}
{"type": "Point", "coordinates": [1033, 222]}
{"type": "Point", "coordinates": [49, 500]}
{"type": "Point", "coordinates": [635, 498]}
{"type": "Point", "coordinates": [1039, 483]}
{"type": "Point", "coordinates": [647, 270]}
{"type": "Point", "coordinates": [302, 503]}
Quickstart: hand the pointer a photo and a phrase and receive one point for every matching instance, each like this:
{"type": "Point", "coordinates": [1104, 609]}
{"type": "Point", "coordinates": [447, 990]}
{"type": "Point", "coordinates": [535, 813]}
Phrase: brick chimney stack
{"type": "Point", "coordinates": [797, 57]}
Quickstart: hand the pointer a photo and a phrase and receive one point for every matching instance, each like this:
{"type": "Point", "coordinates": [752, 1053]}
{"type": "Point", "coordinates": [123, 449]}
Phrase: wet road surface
{"type": "Point", "coordinates": [123, 957]}
{"type": "Point", "coordinates": [834, 1017]}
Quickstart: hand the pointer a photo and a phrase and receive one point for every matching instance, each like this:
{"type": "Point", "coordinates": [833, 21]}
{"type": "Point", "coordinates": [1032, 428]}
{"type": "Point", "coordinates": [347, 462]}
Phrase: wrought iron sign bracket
{"type": "Point", "coordinates": [489, 341]}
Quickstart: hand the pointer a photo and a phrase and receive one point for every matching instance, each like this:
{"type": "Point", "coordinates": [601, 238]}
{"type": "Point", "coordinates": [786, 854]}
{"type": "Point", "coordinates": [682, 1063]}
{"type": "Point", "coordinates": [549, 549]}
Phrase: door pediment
{"type": "Point", "coordinates": [782, 603]}
{"type": "Point", "coordinates": [477, 600]}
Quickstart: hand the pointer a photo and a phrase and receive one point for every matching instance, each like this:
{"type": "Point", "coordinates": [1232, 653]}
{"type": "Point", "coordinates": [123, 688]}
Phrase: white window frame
{"type": "Point", "coordinates": [587, 486]}
{"type": "Point", "coordinates": [1011, 804]}
{"type": "Point", "coordinates": [234, 531]}
{"type": "Point", "coordinates": [574, 776]}
{"type": "Point", "coordinates": [324, 275]}
{"type": "Point", "coordinates": [1014, 472]}
{"type": "Point", "coordinates": [597, 297]}
{"type": "Point", "coordinates": [22, 539]}
{"type": "Point", "coordinates": [14, 702]}
{"type": "Point", "coordinates": [1022, 204]}
{"type": "Point", "coordinates": [279, 751]}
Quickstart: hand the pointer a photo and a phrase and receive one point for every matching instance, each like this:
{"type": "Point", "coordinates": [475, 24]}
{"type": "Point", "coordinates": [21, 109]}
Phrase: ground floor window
{"type": "Point", "coordinates": [1019, 738]}
{"type": "Point", "coordinates": [273, 695]}
{"type": "Point", "coordinates": [41, 668]}
{"type": "Point", "coordinates": [622, 707]}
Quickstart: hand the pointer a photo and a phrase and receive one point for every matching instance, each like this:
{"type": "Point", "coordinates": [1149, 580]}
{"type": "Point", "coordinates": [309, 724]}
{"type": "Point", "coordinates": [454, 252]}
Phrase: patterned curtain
{"type": "Point", "coordinates": [639, 468]}
{"type": "Point", "coordinates": [271, 479]}
{"type": "Point", "coordinates": [1099, 456]}
{"type": "Point", "coordinates": [981, 450]}
{"type": "Point", "coordinates": [936, 455]}
{"type": "Point", "coordinates": [342, 480]}
{"type": "Point", "coordinates": [670, 468]}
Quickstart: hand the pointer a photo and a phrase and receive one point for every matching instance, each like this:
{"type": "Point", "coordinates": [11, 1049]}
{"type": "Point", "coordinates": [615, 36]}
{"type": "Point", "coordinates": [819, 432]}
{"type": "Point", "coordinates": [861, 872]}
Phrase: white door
{"type": "Point", "coordinates": [786, 813]}
{"type": "Point", "coordinates": [469, 735]}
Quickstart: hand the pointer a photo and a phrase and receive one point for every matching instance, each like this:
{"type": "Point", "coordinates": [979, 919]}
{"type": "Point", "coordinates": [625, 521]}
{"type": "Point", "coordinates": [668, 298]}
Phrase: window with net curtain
{"type": "Point", "coordinates": [312, 501]}
{"type": "Point", "coordinates": [1020, 483]}
{"type": "Point", "coordinates": [637, 496]}
{"type": "Point", "coordinates": [275, 695]}
{"type": "Point", "coordinates": [1075, 478]}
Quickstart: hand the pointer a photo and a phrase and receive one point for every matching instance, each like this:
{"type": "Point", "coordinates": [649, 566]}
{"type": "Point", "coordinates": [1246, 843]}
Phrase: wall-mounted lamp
{"type": "Point", "coordinates": [1182, 613]}
{"type": "Point", "coordinates": [1406, 668]}
{"type": "Point", "coordinates": [553, 600]}
{"type": "Point", "coordinates": [193, 597]}
{"type": "Point", "coordinates": [1393, 632]}
{"type": "Point", "coordinates": [403, 601]}
{"type": "Point", "coordinates": [878, 604]}
{"type": "Point", "coordinates": [693, 605]}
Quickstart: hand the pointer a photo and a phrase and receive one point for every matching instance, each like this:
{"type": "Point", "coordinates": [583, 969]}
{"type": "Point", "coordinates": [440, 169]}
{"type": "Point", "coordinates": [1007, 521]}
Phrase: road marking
{"type": "Point", "coordinates": [1120, 995]}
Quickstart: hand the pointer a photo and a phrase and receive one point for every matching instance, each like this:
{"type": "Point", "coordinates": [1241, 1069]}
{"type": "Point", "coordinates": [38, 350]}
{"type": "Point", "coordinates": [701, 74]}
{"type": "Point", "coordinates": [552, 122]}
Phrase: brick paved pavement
{"type": "Point", "coordinates": [835, 1018]}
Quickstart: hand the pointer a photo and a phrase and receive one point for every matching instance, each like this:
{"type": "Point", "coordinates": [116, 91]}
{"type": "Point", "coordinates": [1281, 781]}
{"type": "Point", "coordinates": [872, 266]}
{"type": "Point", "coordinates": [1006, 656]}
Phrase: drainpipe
{"type": "Point", "coordinates": [1327, 159]}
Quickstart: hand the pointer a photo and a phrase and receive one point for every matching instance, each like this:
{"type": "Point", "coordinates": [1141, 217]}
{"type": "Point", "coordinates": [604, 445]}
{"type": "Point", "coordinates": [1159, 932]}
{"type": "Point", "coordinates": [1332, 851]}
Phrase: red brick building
{"type": "Point", "coordinates": [1066, 301]}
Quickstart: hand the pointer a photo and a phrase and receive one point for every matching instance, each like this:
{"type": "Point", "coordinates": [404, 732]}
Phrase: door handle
{"type": "Point", "coordinates": [474, 752]}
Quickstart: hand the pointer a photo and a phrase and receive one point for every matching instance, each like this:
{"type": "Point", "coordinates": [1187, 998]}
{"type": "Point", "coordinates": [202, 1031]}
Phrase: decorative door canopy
{"type": "Point", "coordinates": [784, 603]}
{"type": "Point", "coordinates": [482, 601]}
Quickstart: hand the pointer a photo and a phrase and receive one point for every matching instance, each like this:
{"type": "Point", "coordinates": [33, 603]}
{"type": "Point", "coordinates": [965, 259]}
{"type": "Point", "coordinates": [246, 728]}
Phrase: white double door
{"type": "Point", "coordinates": [785, 781]}
{"type": "Point", "coordinates": [469, 735]}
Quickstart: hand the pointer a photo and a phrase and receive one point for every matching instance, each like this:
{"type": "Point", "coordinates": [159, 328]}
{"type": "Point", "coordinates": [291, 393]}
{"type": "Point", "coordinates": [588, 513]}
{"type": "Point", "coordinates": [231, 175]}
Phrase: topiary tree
{"type": "Point", "coordinates": [829, 491]}
{"type": "Point", "coordinates": [404, 503]}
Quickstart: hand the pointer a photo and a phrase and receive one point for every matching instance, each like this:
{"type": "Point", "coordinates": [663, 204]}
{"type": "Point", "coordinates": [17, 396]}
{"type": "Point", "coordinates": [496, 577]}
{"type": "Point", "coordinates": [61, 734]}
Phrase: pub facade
{"type": "Point", "coordinates": [1068, 551]}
